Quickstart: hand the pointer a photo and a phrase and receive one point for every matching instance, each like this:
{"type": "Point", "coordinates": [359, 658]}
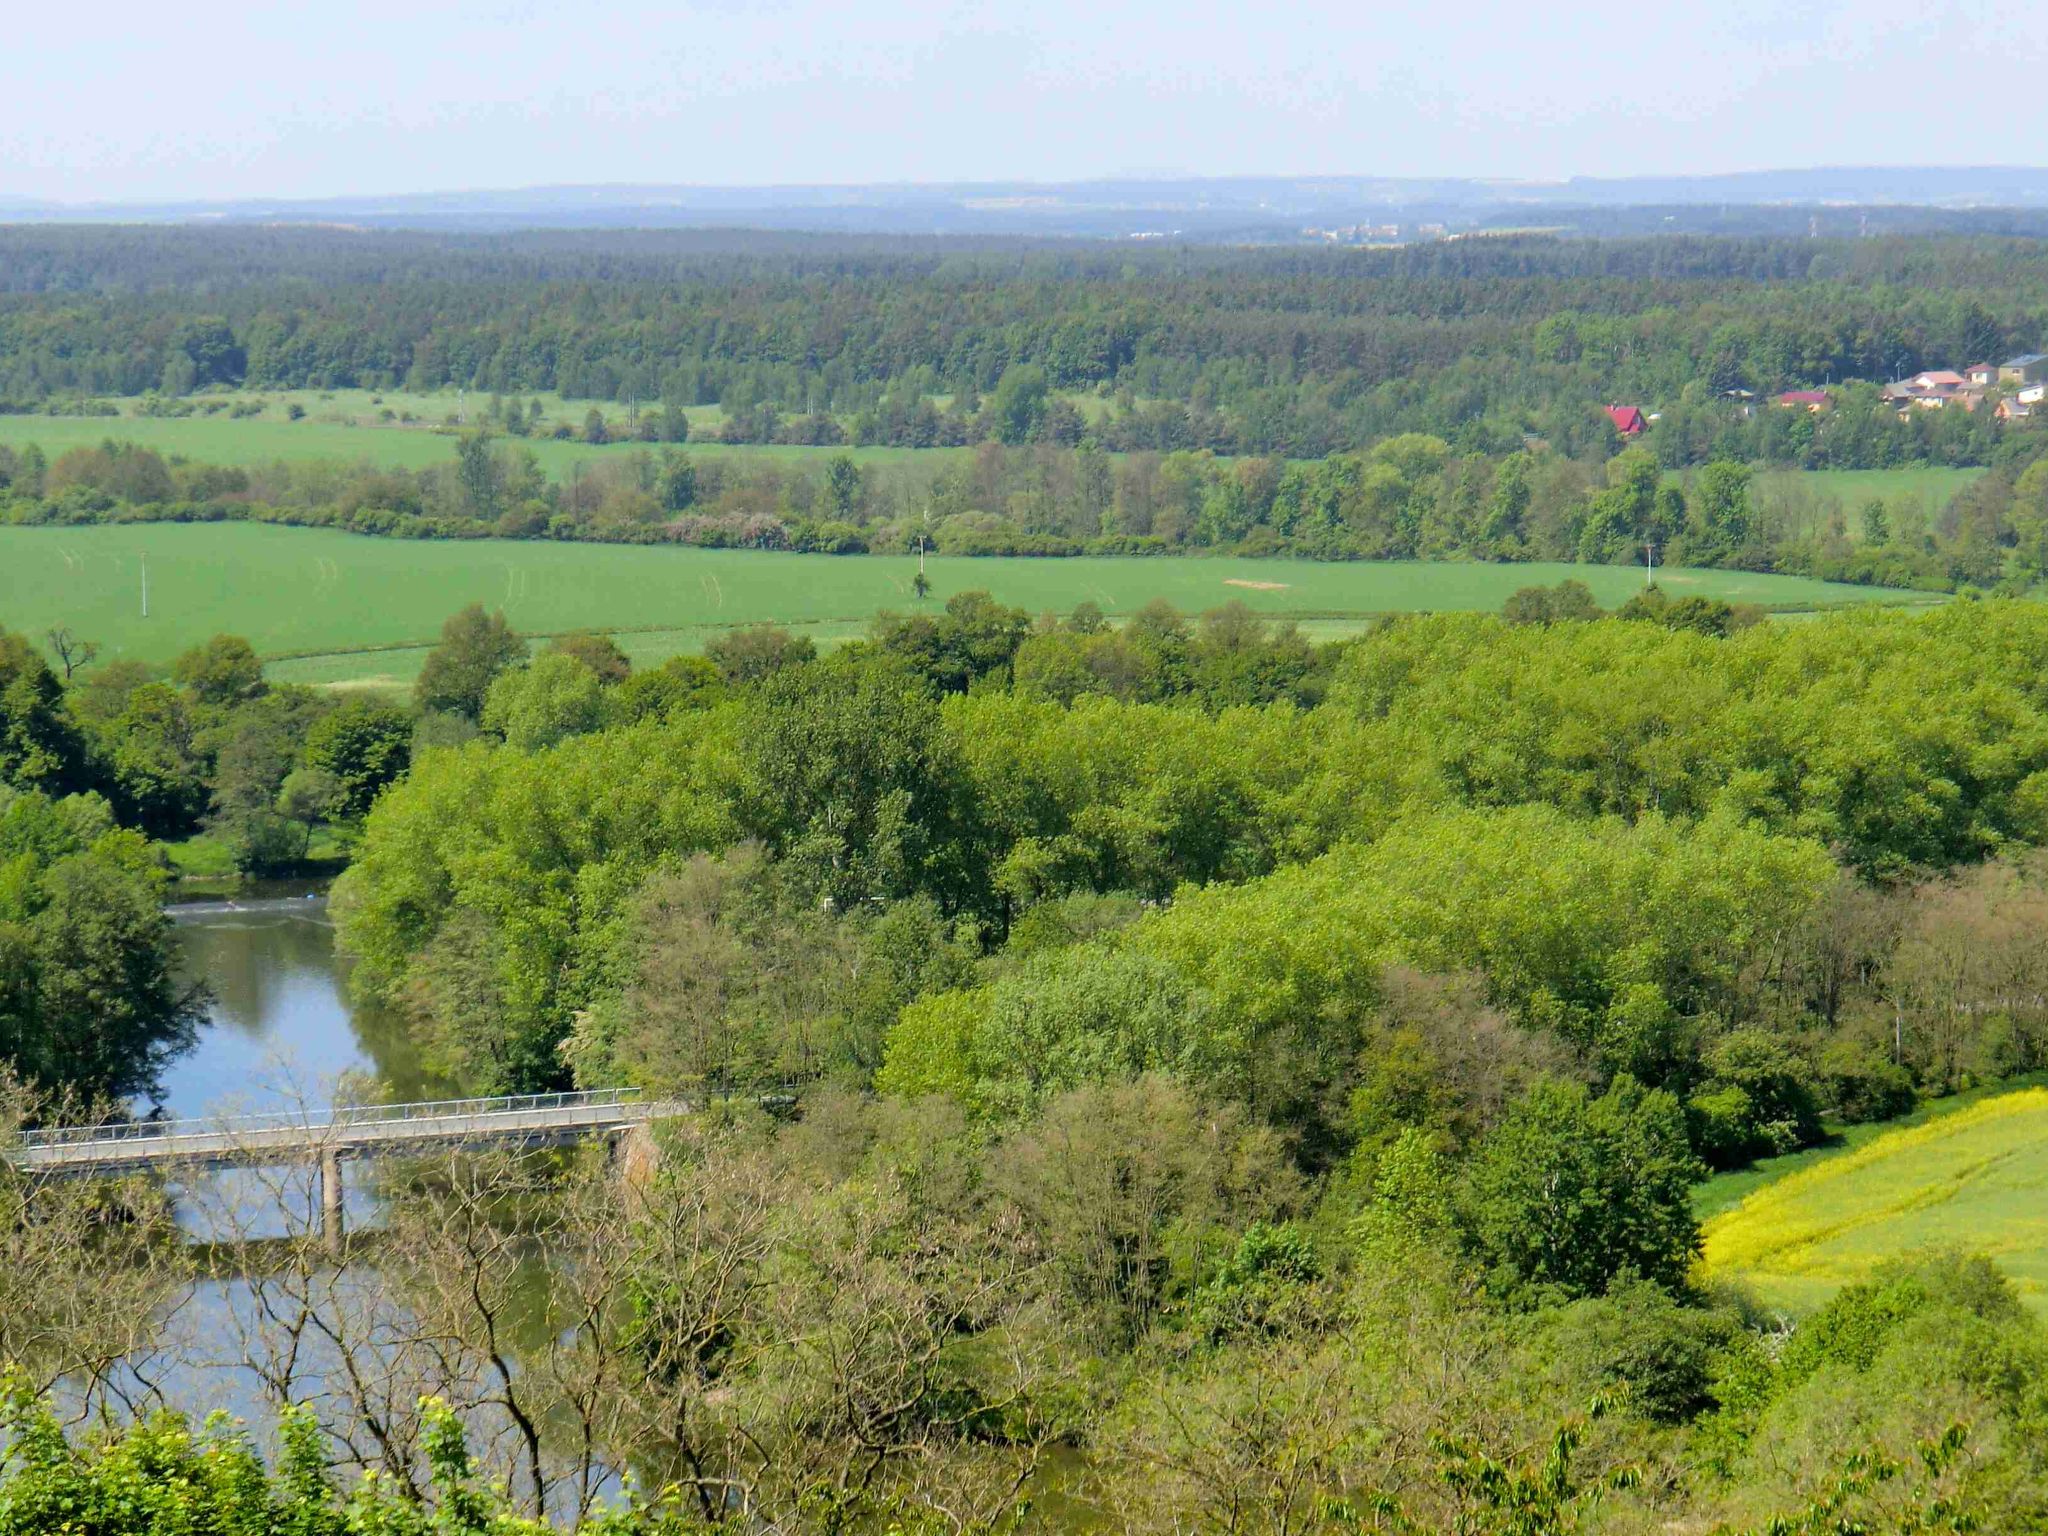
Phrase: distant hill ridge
{"type": "Point", "coordinates": [1199, 208]}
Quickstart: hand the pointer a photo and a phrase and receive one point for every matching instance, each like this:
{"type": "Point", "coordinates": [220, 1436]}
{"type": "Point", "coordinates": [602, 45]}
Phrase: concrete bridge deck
{"type": "Point", "coordinates": [354, 1131]}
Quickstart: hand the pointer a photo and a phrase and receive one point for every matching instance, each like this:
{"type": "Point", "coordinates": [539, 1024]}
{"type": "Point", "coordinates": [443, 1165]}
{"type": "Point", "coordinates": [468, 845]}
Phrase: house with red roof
{"type": "Point", "coordinates": [1628, 420]}
{"type": "Point", "coordinates": [1934, 390]}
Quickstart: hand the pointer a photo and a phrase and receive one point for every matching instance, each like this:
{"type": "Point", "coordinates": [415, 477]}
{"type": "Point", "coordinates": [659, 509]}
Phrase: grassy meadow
{"type": "Point", "coordinates": [1974, 1176]}
{"type": "Point", "coordinates": [345, 426]}
{"type": "Point", "coordinates": [348, 608]}
{"type": "Point", "coordinates": [1933, 485]}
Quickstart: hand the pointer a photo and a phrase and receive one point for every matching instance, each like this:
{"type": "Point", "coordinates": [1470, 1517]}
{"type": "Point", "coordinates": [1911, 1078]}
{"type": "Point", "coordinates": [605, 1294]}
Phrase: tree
{"type": "Point", "coordinates": [1571, 1191]}
{"type": "Point", "coordinates": [598, 652]}
{"type": "Point", "coordinates": [676, 486]}
{"type": "Point", "coordinates": [1756, 1101]}
{"type": "Point", "coordinates": [365, 745]}
{"type": "Point", "coordinates": [1120, 1180]}
{"type": "Point", "coordinates": [310, 798]}
{"type": "Point", "coordinates": [477, 475]}
{"type": "Point", "coordinates": [223, 670]}
{"type": "Point", "coordinates": [475, 648]}
{"type": "Point", "coordinates": [258, 752]}
{"type": "Point", "coordinates": [536, 706]}
{"type": "Point", "coordinates": [679, 684]}
{"type": "Point", "coordinates": [757, 651]}
{"type": "Point", "coordinates": [72, 652]}
{"type": "Point", "coordinates": [842, 486]}
{"type": "Point", "coordinates": [1719, 519]}
{"type": "Point", "coordinates": [849, 778]}
{"type": "Point", "coordinates": [1621, 517]}
{"type": "Point", "coordinates": [1570, 600]}
{"type": "Point", "coordinates": [975, 637]}
{"type": "Point", "coordinates": [152, 754]}
{"type": "Point", "coordinates": [39, 746]}
{"type": "Point", "coordinates": [90, 998]}
{"type": "Point", "coordinates": [594, 428]}
{"type": "Point", "coordinates": [723, 988]}
{"type": "Point", "coordinates": [1018, 405]}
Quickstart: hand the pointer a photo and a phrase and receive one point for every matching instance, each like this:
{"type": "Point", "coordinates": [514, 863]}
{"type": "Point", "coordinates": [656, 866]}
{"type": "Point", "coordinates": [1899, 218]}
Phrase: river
{"type": "Point", "coordinates": [281, 1031]}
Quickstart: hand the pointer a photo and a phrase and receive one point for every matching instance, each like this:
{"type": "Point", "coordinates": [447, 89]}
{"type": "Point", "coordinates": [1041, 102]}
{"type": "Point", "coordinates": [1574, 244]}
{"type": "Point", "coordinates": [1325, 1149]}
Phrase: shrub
{"type": "Point", "coordinates": [1864, 1085]}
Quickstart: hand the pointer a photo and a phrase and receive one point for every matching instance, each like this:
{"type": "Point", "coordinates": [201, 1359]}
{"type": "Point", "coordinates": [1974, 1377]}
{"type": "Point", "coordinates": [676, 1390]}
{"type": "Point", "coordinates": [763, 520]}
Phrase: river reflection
{"type": "Point", "coordinates": [281, 1032]}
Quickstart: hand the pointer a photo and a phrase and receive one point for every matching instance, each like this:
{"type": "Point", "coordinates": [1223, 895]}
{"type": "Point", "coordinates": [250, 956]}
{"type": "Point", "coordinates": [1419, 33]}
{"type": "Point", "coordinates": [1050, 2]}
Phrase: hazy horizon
{"type": "Point", "coordinates": [254, 102]}
{"type": "Point", "coordinates": [1507, 184]}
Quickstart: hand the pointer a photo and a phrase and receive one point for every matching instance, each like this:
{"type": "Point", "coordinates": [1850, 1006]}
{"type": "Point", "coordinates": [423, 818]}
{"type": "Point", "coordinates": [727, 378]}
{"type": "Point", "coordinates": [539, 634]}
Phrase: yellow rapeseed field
{"type": "Point", "coordinates": [1976, 1179]}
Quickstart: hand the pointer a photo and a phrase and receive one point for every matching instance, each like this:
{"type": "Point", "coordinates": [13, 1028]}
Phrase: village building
{"type": "Point", "coordinates": [2027, 368]}
{"type": "Point", "coordinates": [1934, 390]}
{"type": "Point", "coordinates": [1628, 420]}
{"type": "Point", "coordinates": [1814, 400]}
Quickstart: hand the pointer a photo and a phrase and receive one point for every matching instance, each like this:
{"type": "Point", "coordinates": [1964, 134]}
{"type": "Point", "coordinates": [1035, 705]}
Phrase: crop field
{"type": "Point", "coordinates": [350, 608]}
{"type": "Point", "coordinates": [348, 425]}
{"type": "Point", "coordinates": [1976, 1178]}
{"type": "Point", "coordinates": [270, 438]}
{"type": "Point", "coordinates": [1932, 485]}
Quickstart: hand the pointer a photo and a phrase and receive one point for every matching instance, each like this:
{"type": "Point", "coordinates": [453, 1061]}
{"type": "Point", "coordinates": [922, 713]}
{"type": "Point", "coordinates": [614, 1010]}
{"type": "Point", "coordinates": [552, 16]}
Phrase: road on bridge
{"type": "Point", "coordinates": [529, 1119]}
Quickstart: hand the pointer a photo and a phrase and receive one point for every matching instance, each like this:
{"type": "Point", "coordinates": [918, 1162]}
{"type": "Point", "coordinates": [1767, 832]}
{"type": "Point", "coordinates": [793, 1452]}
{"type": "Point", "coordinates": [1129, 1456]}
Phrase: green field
{"type": "Point", "coordinates": [315, 593]}
{"type": "Point", "coordinates": [270, 438]}
{"type": "Point", "coordinates": [1975, 1178]}
{"type": "Point", "coordinates": [1805, 493]}
{"type": "Point", "coordinates": [1932, 485]}
{"type": "Point", "coordinates": [347, 424]}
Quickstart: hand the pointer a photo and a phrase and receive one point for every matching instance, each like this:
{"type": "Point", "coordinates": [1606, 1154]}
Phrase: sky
{"type": "Point", "coordinates": [158, 102]}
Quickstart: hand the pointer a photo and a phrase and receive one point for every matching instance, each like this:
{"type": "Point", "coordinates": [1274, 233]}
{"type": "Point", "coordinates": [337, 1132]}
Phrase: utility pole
{"type": "Point", "coordinates": [1649, 566]}
{"type": "Point", "coordinates": [145, 586]}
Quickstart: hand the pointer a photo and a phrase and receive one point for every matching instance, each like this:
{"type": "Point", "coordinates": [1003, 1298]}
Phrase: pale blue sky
{"type": "Point", "coordinates": [130, 100]}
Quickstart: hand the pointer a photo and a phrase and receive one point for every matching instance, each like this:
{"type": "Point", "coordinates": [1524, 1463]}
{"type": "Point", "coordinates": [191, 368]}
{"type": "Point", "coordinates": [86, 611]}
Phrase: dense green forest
{"type": "Point", "coordinates": [1433, 402]}
{"type": "Point", "coordinates": [1289, 352]}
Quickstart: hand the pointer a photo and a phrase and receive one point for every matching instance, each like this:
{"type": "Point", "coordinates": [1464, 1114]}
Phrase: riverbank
{"type": "Point", "coordinates": [203, 869]}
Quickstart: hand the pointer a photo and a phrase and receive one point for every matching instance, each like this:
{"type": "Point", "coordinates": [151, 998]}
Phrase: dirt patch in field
{"type": "Point", "coordinates": [1256, 586]}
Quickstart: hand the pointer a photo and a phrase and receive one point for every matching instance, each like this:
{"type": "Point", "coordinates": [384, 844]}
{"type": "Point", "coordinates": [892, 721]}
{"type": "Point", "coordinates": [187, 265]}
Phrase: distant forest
{"type": "Point", "coordinates": [1280, 351]}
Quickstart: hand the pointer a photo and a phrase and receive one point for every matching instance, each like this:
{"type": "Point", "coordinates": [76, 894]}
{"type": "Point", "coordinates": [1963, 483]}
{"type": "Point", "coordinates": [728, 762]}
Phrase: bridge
{"type": "Point", "coordinates": [529, 1119]}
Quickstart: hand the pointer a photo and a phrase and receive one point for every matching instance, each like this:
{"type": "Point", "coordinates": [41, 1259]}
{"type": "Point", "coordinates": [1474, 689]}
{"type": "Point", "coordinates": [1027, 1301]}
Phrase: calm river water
{"type": "Point", "coordinates": [281, 1031]}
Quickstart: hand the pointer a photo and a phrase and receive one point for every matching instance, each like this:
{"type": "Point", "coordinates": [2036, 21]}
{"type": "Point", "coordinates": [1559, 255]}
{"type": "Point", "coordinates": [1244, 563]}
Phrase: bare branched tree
{"type": "Point", "coordinates": [71, 652]}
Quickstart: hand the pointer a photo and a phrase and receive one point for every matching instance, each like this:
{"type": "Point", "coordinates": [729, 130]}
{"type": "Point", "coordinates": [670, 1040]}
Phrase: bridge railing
{"type": "Point", "coordinates": [341, 1118]}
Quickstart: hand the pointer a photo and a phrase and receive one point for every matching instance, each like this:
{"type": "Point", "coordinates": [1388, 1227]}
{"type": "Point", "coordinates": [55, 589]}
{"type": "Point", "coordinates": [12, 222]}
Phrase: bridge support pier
{"type": "Point", "coordinates": [635, 1157]}
{"type": "Point", "coordinates": [330, 1200]}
